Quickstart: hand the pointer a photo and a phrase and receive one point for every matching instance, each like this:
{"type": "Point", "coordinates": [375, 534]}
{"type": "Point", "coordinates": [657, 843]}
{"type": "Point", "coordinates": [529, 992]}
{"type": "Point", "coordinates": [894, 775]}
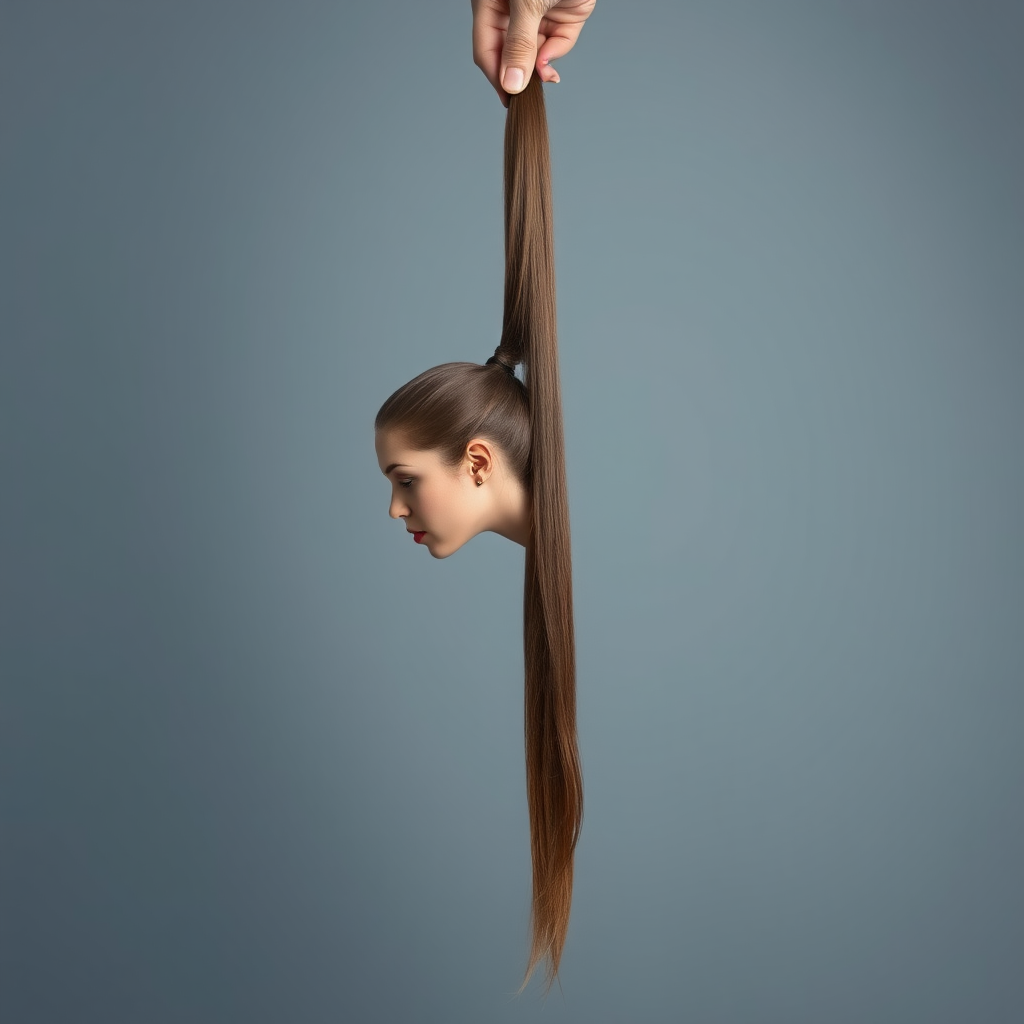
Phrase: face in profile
{"type": "Point", "coordinates": [443, 506]}
{"type": "Point", "coordinates": [438, 503]}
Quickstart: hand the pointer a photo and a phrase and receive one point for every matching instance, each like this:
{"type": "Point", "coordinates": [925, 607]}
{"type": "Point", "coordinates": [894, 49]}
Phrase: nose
{"type": "Point", "coordinates": [397, 509]}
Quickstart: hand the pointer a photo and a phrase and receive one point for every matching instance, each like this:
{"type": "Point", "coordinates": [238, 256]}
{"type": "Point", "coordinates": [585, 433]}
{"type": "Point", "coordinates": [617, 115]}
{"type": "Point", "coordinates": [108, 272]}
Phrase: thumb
{"type": "Point", "coordinates": [519, 54]}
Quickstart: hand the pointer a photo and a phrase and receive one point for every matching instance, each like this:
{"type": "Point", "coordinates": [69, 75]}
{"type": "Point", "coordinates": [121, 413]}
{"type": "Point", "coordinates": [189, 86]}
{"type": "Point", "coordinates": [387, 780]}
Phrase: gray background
{"type": "Point", "coordinates": [262, 756]}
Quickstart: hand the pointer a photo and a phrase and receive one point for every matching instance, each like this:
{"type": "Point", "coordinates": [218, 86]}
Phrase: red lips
{"type": "Point", "coordinates": [418, 535]}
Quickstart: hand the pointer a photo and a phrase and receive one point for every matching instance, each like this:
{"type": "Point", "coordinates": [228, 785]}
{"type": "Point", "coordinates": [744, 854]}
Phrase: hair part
{"type": "Point", "coordinates": [442, 410]}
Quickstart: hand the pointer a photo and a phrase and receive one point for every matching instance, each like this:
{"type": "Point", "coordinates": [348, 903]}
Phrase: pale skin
{"type": "Point", "coordinates": [448, 503]}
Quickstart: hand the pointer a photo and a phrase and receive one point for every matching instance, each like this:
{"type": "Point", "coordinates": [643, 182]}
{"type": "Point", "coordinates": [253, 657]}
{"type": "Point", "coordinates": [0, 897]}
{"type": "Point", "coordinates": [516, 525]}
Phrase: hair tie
{"type": "Point", "coordinates": [508, 367]}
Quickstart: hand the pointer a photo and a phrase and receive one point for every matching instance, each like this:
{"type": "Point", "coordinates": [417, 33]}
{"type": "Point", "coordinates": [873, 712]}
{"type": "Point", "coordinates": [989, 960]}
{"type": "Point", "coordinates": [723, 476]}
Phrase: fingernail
{"type": "Point", "coordinates": [513, 80]}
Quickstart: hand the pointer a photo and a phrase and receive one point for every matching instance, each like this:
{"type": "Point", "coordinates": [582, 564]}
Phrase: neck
{"type": "Point", "coordinates": [513, 508]}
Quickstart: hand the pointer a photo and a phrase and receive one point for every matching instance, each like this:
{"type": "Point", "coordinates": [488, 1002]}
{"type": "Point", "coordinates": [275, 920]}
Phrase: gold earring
{"type": "Point", "coordinates": [479, 482]}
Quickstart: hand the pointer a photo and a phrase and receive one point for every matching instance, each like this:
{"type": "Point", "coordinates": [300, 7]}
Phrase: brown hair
{"type": "Point", "coordinates": [442, 410]}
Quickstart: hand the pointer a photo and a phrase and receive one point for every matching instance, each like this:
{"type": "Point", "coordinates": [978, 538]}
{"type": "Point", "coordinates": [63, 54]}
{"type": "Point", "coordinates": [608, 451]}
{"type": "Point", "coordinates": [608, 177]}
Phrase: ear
{"type": "Point", "coordinates": [480, 457]}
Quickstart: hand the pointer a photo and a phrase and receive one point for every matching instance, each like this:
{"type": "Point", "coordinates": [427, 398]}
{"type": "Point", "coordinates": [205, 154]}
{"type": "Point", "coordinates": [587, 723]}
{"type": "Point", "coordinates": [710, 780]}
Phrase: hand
{"type": "Point", "coordinates": [509, 44]}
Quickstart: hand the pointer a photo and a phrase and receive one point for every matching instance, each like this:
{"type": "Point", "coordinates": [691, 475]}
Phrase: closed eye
{"type": "Point", "coordinates": [405, 483]}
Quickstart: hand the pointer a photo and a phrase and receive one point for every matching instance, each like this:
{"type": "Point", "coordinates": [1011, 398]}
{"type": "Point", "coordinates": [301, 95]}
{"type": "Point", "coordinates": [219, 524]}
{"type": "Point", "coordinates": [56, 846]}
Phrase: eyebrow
{"type": "Point", "coordinates": [394, 465]}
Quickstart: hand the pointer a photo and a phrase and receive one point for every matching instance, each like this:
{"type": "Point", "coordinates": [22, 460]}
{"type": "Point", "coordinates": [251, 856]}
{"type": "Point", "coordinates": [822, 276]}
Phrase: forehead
{"type": "Point", "coordinates": [392, 448]}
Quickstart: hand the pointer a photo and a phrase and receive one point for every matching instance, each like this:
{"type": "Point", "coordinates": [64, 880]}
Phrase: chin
{"type": "Point", "coordinates": [443, 551]}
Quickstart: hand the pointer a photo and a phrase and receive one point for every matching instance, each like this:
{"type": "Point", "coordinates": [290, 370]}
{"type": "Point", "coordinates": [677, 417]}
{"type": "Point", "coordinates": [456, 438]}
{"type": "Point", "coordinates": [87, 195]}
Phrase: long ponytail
{"type": "Point", "coordinates": [447, 405]}
{"type": "Point", "coordinates": [554, 780]}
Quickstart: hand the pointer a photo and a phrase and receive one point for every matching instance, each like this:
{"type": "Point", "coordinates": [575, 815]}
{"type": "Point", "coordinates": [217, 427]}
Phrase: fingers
{"type": "Point", "coordinates": [519, 54]}
{"type": "Point", "coordinates": [489, 24]}
{"type": "Point", "coordinates": [558, 43]}
{"type": "Point", "coordinates": [547, 72]}
{"type": "Point", "coordinates": [551, 49]}
{"type": "Point", "coordinates": [508, 48]}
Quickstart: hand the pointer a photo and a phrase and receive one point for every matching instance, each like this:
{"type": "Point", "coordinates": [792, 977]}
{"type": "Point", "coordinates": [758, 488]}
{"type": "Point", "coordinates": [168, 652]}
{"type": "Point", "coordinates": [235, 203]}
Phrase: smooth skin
{"type": "Point", "coordinates": [511, 38]}
{"type": "Point", "coordinates": [447, 502]}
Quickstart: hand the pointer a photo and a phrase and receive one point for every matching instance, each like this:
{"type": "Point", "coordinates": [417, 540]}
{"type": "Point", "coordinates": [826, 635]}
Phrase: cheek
{"type": "Point", "coordinates": [441, 510]}
{"type": "Point", "coordinates": [425, 506]}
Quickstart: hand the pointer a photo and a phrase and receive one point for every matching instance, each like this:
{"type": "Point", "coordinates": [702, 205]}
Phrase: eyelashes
{"type": "Point", "coordinates": [405, 483]}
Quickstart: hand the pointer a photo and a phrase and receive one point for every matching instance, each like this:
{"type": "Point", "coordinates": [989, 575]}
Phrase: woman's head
{"type": "Point", "coordinates": [455, 444]}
